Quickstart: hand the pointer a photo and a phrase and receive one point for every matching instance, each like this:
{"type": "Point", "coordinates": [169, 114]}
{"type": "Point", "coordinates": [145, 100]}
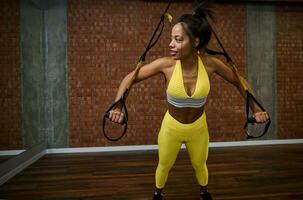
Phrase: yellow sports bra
{"type": "Point", "coordinates": [176, 93]}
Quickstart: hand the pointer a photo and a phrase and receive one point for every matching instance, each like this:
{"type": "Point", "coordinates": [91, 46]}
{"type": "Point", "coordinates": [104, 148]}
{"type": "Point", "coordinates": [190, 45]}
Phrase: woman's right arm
{"type": "Point", "coordinates": [145, 72]}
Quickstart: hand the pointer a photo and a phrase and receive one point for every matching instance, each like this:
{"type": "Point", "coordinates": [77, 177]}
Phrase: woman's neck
{"type": "Point", "coordinates": [190, 62]}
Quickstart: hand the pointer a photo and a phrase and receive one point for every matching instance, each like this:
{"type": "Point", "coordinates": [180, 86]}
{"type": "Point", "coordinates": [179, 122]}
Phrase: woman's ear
{"type": "Point", "coordinates": [197, 42]}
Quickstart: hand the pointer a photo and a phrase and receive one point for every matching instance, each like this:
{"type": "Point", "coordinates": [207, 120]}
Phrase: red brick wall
{"type": "Point", "coordinates": [10, 76]}
{"type": "Point", "coordinates": [105, 40]}
{"type": "Point", "coordinates": [290, 71]}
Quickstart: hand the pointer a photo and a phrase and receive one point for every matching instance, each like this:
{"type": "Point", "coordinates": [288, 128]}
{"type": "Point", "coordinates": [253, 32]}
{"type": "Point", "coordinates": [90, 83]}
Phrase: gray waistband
{"type": "Point", "coordinates": [186, 102]}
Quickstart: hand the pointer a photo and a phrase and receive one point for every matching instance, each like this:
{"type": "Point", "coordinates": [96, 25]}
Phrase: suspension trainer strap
{"type": "Point", "coordinates": [152, 42]}
{"type": "Point", "coordinates": [121, 102]}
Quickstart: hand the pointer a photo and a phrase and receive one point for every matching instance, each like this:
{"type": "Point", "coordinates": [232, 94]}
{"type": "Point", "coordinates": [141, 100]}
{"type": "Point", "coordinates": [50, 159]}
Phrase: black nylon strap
{"type": "Point", "coordinates": [224, 53]}
{"type": "Point", "coordinates": [196, 6]}
{"type": "Point", "coordinates": [152, 42]}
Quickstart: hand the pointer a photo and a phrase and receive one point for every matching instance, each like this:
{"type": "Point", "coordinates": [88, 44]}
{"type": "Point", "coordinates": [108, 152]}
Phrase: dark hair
{"type": "Point", "coordinates": [197, 26]}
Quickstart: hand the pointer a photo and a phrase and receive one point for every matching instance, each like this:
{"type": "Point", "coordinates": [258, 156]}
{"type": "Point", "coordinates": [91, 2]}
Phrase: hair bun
{"type": "Point", "coordinates": [202, 9]}
{"type": "Point", "coordinates": [200, 13]}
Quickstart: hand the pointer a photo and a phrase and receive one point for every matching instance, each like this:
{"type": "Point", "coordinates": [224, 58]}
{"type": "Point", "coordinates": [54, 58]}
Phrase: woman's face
{"type": "Point", "coordinates": [181, 45]}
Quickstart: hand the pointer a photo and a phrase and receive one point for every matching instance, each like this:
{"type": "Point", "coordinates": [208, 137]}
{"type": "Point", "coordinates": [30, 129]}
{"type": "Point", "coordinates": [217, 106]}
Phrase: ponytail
{"type": "Point", "coordinates": [197, 26]}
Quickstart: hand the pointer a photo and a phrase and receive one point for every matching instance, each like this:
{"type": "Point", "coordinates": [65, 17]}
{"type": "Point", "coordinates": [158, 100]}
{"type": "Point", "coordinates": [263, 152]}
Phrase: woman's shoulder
{"type": "Point", "coordinates": [165, 65]}
{"type": "Point", "coordinates": [210, 62]}
{"type": "Point", "coordinates": [165, 62]}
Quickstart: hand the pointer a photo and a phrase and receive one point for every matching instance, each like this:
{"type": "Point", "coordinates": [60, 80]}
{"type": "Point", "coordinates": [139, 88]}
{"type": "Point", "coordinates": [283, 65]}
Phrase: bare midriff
{"type": "Point", "coordinates": [185, 115]}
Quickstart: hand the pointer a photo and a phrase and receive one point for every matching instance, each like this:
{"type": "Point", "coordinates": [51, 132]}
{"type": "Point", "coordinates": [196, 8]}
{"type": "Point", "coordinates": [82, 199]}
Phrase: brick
{"type": "Point", "coordinates": [289, 71]}
{"type": "Point", "coordinates": [10, 81]}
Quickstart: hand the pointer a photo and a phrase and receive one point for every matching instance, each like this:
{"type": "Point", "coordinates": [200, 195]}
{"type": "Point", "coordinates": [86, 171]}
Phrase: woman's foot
{"type": "Point", "coordinates": [205, 195]}
{"type": "Point", "coordinates": [158, 196]}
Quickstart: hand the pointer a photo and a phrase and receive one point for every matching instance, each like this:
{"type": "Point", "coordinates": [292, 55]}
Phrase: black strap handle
{"type": "Point", "coordinates": [252, 119]}
{"type": "Point", "coordinates": [120, 102]}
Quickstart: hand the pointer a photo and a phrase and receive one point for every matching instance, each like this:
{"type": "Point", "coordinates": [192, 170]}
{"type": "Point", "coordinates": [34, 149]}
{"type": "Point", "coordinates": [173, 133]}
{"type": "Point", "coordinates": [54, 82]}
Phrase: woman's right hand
{"type": "Point", "coordinates": [116, 115]}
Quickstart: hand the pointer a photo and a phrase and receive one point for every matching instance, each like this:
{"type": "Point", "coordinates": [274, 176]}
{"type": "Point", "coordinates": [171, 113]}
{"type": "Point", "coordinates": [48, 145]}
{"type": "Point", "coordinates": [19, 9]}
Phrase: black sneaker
{"type": "Point", "coordinates": [205, 195]}
{"type": "Point", "coordinates": [158, 196]}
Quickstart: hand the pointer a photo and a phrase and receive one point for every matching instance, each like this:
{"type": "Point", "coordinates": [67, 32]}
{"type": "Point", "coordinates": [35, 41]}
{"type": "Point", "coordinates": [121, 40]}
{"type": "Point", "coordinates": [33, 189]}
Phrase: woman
{"type": "Point", "coordinates": [187, 72]}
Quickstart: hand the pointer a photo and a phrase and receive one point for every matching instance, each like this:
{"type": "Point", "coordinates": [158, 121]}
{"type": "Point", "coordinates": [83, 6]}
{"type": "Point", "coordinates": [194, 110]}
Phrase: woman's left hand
{"type": "Point", "coordinates": [261, 117]}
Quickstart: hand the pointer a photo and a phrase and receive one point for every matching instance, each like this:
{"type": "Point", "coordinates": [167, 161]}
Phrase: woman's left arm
{"type": "Point", "coordinates": [227, 74]}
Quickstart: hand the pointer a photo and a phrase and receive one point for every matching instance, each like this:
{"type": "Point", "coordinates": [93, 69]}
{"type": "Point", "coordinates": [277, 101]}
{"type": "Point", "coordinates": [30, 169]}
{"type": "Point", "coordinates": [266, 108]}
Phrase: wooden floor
{"type": "Point", "coordinates": [5, 158]}
{"type": "Point", "coordinates": [238, 173]}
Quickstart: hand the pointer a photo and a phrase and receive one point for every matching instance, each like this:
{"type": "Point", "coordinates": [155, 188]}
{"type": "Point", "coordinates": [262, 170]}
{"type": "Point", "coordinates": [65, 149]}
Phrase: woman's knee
{"type": "Point", "coordinates": [199, 165]}
{"type": "Point", "coordinates": [164, 166]}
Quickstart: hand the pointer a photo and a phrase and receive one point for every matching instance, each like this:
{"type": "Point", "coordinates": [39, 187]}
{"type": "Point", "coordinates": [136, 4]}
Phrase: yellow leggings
{"type": "Point", "coordinates": [171, 136]}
